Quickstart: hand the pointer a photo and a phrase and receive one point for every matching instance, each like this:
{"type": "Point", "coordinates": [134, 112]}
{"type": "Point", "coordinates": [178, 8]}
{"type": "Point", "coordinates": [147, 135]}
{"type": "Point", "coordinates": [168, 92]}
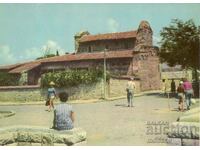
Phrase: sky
{"type": "Point", "coordinates": [27, 29]}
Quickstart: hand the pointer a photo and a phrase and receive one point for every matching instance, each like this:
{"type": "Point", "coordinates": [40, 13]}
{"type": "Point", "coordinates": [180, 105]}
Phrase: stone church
{"type": "Point", "coordinates": [127, 54]}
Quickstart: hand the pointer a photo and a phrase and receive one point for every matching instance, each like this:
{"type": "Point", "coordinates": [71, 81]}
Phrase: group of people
{"type": "Point", "coordinates": [63, 112]}
{"type": "Point", "coordinates": [184, 92]}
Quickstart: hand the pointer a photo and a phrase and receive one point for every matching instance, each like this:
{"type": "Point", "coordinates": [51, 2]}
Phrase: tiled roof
{"type": "Point", "coordinates": [108, 36]}
{"type": "Point", "coordinates": [92, 56]}
{"type": "Point", "coordinates": [74, 57]}
{"type": "Point", "coordinates": [25, 67]}
{"type": "Point", "coordinates": [8, 67]}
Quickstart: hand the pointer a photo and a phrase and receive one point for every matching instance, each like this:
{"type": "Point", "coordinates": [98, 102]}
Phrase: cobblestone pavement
{"type": "Point", "coordinates": [106, 123]}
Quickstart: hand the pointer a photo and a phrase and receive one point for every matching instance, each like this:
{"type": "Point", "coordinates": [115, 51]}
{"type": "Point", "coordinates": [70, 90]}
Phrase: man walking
{"type": "Point", "coordinates": [188, 92]}
{"type": "Point", "coordinates": [130, 91]}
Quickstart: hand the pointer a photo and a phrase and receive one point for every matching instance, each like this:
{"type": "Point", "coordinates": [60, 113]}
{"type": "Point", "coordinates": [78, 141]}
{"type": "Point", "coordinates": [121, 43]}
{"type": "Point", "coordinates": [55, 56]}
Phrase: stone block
{"type": "Point", "coordinates": [6, 138]}
{"type": "Point", "coordinates": [190, 142]}
{"type": "Point", "coordinates": [22, 136]}
{"type": "Point", "coordinates": [47, 139]}
{"type": "Point", "coordinates": [174, 141]}
{"type": "Point", "coordinates": [37, 136]}
{"type": "Point", "coordinates": [185, 130]}
{"type": "Point", "coordinates": [70, 137]}
{"type": "Point", "coordinates": [12, 144]}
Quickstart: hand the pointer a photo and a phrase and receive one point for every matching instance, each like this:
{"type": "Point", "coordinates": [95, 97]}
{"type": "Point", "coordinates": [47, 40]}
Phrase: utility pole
{"type": "Point", "coordinates": [104, 73]}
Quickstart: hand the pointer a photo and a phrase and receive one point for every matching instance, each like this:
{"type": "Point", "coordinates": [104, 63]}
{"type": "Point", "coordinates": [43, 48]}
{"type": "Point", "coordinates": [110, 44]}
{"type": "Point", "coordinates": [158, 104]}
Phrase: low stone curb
{"type": "Point", "coordinates": [40, 136]}
{"type": "Point", "coordinates": [186, 132]}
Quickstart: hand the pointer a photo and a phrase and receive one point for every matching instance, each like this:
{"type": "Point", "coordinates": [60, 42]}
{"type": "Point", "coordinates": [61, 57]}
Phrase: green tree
{"type": "Point", "coordinates": [180, 44]}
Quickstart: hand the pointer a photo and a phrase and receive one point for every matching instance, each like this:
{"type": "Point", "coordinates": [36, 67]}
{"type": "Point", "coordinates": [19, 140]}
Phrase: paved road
{"type": "Point", "coordinates": [106, 123]}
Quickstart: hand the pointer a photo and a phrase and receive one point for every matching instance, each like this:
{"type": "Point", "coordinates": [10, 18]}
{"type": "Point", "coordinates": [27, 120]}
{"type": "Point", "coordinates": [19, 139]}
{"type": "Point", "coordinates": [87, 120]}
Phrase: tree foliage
{"type": "Point", "coordinates": [180, 44]}
{"type": "Point", "coordinates": [7, 79]}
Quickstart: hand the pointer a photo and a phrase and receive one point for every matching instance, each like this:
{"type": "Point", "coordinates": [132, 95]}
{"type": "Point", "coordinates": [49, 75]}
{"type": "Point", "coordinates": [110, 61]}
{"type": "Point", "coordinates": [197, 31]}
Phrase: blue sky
{"type": "Point", "coordinates": [26, 29]}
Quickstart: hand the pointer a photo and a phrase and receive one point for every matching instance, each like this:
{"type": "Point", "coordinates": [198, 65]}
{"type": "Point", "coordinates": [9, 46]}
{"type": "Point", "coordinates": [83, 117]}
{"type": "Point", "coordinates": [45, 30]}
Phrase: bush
{"type": "Point", "coordinates": [71, 78]}
{"type": "Point", "coordinates": [7, 79]}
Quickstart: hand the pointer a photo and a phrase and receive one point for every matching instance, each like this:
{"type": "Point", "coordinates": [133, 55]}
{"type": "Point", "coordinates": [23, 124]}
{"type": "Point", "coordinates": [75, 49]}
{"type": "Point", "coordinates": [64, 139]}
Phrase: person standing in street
{"type": "Point", "coordinates": [188, 92]}
{"type": "Point", "coordinates": [130, 91]}
{"type": "Point", "coordinates": [173, 88]}
{"type": "Point", "coordinates": [51, 95]}
{"type": "Point", "coordinates": [180, 91]}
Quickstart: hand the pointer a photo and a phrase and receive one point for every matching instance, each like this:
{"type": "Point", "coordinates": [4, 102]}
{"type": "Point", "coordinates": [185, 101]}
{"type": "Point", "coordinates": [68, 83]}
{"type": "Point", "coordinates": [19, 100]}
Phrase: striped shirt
{"type": "Point", "coordinates": [62, 117]}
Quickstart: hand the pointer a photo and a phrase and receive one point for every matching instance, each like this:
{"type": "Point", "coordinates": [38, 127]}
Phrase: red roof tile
{"type": "Point", "coordinates": [92, 56]}
{"type": "Point", "coordinates": [108, 36]}
{"type": "Point", "coordinates": [74, 57]}
{"type": "Point", "coordinates": [8, 67]}
{"type": "Point", "coordinates": [25, 67]}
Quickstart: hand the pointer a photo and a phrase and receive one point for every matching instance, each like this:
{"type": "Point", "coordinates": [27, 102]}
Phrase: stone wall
{"type": "Point", "coordinates": [84, 92]}
{"type": "Point", "coordinates": [149, 72]}
{"type": "Point", "coordinates": [116, 88]}
{"type": "Point", "coordinates": [40, 136]}
{"type": "Point", "coordinates": [20, 94]}
{"type": "Point", "coordinates": [33, 76]}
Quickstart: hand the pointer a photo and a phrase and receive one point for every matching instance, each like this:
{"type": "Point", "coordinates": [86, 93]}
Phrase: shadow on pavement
{"type": "Point", "coordinates": [123, 105]}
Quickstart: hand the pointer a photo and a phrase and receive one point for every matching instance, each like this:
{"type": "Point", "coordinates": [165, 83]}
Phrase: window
{"type": "Point", "coordinates": [89, 49]}
{"type": "Point", "coordinates": [126, 45]}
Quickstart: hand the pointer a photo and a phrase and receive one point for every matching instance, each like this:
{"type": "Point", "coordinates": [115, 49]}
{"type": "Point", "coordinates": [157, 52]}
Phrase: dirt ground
{"type": "Point", "coordinates": [108, 122]}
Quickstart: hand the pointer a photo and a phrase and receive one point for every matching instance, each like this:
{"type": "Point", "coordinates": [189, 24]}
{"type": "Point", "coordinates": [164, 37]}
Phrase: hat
{"type": "Point", "coordinates": [51, 83]}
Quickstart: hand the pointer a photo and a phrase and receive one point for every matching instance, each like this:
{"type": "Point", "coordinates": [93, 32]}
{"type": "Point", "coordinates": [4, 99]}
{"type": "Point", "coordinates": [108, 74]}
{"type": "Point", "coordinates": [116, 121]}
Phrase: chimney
{"type": "Point", "coordinates": [77, 38]}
